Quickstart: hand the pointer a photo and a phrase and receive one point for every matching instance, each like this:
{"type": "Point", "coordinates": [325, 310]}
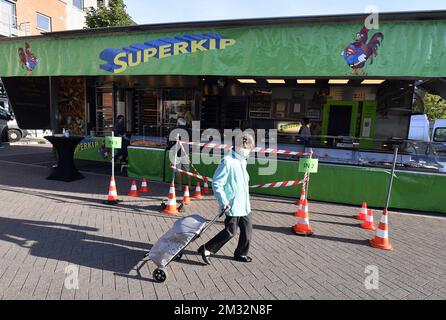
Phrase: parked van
{"type": "Point", "coordinates": [439, 131]}
{"type": "Point", "coordinates": [421, 129]}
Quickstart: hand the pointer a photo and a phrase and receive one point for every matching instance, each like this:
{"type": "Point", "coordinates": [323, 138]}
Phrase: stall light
{"type": "Point", "coordinates": [306, 81]}
{"type": "Point", "coordinates": [338, 81]}
{"type": "Point", "coordinates": [275, 81]}
{"type": "Point", "coordinates": [372, 81]}
{"type": "Point", "coordinates": [246, 80]}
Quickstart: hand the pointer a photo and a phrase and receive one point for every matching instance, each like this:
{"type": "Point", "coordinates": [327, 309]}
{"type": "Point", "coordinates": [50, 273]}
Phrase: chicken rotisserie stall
{"type": "Point", "coordinates": [336, 84]}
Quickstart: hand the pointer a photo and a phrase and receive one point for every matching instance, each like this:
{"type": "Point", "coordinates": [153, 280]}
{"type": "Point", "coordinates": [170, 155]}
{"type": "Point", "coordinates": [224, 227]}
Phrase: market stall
{"type": "Point", "coordinates": [355, 87]}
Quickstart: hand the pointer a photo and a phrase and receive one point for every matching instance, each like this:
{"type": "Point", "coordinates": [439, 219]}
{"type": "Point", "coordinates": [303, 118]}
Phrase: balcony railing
{"type": "Point", "coordinates": [10, 28]}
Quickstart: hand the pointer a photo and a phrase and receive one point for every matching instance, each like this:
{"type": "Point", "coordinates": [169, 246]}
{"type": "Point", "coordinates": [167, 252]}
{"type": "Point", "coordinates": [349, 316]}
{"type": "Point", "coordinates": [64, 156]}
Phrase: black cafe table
{"type": "Point", "coordinates": [65, 147]}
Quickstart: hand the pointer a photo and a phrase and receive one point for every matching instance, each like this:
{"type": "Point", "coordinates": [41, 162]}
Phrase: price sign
{"type": "Point", "coordinates": [308, 165]}
{"type": "Point", "coordinates": [113, 142]}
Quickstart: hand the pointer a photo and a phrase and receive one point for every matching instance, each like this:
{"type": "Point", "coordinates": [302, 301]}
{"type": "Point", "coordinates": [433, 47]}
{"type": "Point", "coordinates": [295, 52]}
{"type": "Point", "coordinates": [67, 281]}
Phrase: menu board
{"type": "Point", "coordinates": [29, 98]}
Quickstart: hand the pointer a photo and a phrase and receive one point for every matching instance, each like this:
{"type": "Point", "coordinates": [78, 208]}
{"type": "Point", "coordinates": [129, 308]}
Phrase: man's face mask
{"type": "Point", "coordinates": [243, 152]}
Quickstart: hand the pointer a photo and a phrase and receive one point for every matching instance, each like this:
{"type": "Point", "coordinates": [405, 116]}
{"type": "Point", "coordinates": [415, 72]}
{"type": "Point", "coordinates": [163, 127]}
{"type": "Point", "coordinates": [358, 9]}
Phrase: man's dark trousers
{"type": "Point", "coordinates": [231, 225]}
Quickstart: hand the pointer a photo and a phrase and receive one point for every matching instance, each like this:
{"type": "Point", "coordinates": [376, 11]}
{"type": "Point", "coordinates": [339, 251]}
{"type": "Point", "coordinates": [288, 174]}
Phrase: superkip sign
{"type": "Point", "coordinates": [119, 60]}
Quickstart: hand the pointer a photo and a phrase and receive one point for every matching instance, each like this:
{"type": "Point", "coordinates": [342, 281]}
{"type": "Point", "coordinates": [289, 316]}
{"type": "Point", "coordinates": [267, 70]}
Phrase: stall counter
{"type": "Point", "coordinates": [344, 184]}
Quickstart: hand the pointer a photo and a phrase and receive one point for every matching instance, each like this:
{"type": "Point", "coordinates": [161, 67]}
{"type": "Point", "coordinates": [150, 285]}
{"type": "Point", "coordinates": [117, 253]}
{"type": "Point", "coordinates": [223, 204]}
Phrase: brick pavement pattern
{"type": "Point", "coordinates": [47, 226]}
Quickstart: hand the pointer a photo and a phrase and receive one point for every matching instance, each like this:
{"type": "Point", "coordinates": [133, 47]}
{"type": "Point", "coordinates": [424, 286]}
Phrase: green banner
{"type": "Point", "coordinates": [94, 149]}
{"type": "Point", "coordinates": [398, 48]}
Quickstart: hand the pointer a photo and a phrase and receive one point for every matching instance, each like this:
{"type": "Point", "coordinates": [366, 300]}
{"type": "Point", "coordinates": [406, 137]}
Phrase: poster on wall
{"type": "Point", "coordinates": [288, 126]}
{"type": "Point", "coordinates": [71, 104]}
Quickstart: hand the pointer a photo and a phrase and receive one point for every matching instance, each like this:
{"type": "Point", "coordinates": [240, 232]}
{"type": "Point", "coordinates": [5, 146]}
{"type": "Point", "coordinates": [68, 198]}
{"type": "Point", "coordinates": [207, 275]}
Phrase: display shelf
{"type": "Point", "coordinates": [260, 105]}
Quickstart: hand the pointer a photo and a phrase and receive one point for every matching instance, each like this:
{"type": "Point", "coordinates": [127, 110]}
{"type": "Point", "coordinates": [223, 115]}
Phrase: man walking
{"type": "Point", "coordinates": [231, 188]}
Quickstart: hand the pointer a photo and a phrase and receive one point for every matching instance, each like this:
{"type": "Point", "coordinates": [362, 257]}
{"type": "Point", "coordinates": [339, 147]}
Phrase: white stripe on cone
{"type": "Point", "coordinates": [382, 233]}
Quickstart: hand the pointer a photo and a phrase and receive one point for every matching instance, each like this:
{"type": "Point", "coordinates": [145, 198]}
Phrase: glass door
{"type": "Point", "coordinates": [104, 111]}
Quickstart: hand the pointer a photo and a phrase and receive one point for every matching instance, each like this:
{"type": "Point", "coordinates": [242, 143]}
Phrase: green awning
{"type": "Point", "coordinates": [397, 49]}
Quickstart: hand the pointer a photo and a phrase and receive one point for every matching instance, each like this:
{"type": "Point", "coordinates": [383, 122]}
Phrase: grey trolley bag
{"type": "Point", "coordinates": [171, 245]}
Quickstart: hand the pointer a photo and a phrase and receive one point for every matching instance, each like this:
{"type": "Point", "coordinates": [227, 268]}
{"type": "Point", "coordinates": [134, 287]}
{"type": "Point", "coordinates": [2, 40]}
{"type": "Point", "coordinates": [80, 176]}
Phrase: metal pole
{"type": "Point", "coordinates": [174, 172]}
{"type": "Point", "coordinates": [389, 191]}
{"type": "Point", "coordinates": [113, 155]}
{"type": "Point", "coordinates": [307, 184]}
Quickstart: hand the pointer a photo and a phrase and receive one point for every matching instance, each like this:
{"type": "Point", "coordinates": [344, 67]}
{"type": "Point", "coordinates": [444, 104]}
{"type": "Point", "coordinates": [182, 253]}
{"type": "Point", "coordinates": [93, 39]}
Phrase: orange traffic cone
{"type": "Point", "coordinates": [198, 194]}
{"type": "Point", "coordinates": [186, 197]}
{"type": "Point", "coordinates": [363, 213]}
{"type": "Point", "coordinates": [112, 193]}
{"type": "Point", "coordinates": [302, 198]}
{"type": "Point", "coordinates": [303, 208]}
{"type": "Point", "coordinates": [381, 240]}
{"type": "Point", "coordinates": [206, 188]}
{"type": "Point", "coordinates": [302, 228]}
{"type": "Point", "coordinates": [369, 224]}
{"type": "Point", "coordinates": [144, 188]}
{"type": "Point", "coordinates": [171, 207]}
{"type": "Point", "coordinates": [133, 190]}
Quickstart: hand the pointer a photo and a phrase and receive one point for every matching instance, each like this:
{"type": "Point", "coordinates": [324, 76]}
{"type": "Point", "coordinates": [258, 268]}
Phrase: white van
{"type": "Point", "coordinates": [421, 129]}
{"type": "Point", "coordinates": [439, 131]}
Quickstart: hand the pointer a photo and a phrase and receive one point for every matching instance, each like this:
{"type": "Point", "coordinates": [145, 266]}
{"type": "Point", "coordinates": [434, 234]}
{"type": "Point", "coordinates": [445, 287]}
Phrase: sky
{"type": "Point", "coordinates": [161, 11]}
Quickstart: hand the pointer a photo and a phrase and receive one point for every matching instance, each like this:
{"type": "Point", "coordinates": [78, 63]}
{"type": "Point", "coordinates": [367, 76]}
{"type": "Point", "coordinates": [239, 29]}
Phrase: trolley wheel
{"type": "Point", "coordinates": [160, 275]}
{"type": "Point", "coordinates": [178, 256]}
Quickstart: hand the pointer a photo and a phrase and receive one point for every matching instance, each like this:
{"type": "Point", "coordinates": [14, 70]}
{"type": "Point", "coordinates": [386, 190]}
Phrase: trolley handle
{"type": "Point", "coordinates": [221, 214]}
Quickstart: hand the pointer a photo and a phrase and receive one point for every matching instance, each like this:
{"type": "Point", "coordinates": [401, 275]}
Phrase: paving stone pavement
{"type": "Point", "coordinates": [49, 231]}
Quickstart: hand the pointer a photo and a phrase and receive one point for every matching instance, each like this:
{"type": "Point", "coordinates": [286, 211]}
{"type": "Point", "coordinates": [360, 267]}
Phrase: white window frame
{"type": "Point", "coordinates": [76, 7]}
{"type": "Point", "coordinates": [45, 16]}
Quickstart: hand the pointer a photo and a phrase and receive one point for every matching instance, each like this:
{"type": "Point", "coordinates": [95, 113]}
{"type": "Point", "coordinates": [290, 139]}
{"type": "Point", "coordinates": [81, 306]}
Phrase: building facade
{"type": "Point", "coordinates": [34, 17]}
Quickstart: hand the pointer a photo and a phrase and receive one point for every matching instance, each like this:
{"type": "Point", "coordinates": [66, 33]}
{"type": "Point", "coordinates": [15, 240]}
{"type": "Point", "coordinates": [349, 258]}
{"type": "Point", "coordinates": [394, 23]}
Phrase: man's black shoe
{"type": "Point", "coordinates": [243, 258]}
{"type": "Point", "coordinates": [206, 258]}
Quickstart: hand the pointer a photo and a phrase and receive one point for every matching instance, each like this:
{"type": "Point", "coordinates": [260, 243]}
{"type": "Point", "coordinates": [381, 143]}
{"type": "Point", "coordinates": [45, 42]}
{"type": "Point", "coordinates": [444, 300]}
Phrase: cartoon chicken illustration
{"type": "Point", "coordinates": [359, 52]}
{"type": "Point", "coordinates": [28, 60]}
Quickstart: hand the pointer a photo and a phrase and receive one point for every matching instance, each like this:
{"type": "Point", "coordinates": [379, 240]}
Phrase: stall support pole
{"type": "Point", "coordinates": [113, 156]}
{"type": "Point", "coordinates": [174, 172]}
{"type": "Point", "coordinates": [389, 191]}
{"type": "Point", "coordinates": [307, 178]}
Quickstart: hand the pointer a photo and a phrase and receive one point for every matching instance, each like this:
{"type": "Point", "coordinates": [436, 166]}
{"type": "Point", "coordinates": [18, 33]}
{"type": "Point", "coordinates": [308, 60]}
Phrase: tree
{"type": "Point", "coordinates": [112, 16]}
{"type": "Point", "coordinates": [434, 107]}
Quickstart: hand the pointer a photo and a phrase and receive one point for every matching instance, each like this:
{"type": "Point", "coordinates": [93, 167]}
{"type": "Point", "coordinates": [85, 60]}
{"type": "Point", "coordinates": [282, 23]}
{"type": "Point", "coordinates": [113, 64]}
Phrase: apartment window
{"type": "Point", "coordinates": [8, 13]}
{"type": "Point", "coordinates": [78, 4]}
{"type": "Point", "coordinates": [43, 22]}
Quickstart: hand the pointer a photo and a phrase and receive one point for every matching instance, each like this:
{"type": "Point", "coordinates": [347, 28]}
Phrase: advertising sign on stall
{"type": "Point", "coordinates": [113, 142]}
{"type": "Point", "coordinates": [308, 165]}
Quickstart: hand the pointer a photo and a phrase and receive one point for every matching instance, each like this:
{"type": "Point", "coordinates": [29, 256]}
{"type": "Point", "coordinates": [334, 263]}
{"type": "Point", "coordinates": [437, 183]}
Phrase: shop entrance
{"type": "Point", "coordinates": [104, 111]}
{"type": "Point", "coordinates": [339, 123]}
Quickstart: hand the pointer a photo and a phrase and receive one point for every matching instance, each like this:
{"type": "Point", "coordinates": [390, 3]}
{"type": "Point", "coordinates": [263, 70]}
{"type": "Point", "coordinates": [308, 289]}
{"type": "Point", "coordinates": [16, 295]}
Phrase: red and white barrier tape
{"type": "Point", "coordinates": [188, 160]}
{"type": "Point", "coordinates": [195, 175]}
{"type": "Point", "coordinates": [256, 150]}
{"type": "Point", "coordinates": [277, 151]}
{"type": "Point", "coordinates": [282, 184]}
{"type": "Point", "coordinates": [209, 145]}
